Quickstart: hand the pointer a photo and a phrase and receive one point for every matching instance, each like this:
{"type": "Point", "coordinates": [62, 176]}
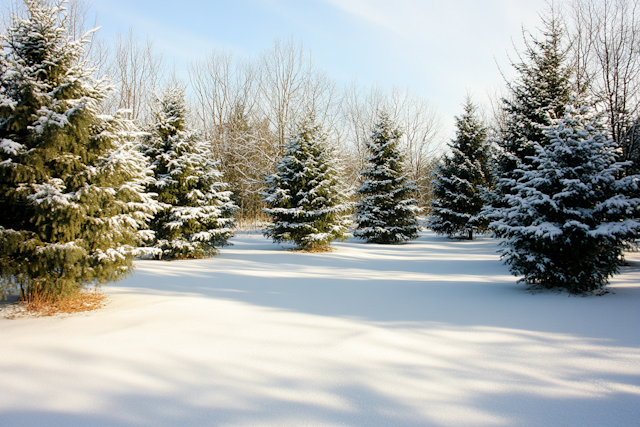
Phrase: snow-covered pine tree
{"type": "Point", "coordinates": [539, 94]}
{"type": "Point", "coordinates": [387, 212]}
{"type": "Point", "coordinates": [198, 217]}
{"type": "Point", "coordinates": [305, 199]}
{"type": "Point", "coordinates": [569, 218]}
{"type": "Point", "coordinates": [460, 179]}
{"type": "Point", "coordinates": [71, 180]}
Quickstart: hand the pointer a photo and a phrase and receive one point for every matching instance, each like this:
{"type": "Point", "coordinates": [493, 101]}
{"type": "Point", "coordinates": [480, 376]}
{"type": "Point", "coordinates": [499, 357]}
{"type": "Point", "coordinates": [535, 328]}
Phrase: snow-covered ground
{"type": "Point", "coordinates": [431, 333]}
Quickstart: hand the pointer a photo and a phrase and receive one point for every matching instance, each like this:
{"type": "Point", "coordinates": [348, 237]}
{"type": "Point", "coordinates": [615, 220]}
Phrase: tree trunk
{"type": "Point", "coordinates": [470, 234]}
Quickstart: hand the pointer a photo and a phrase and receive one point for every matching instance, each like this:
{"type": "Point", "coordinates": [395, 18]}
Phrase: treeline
{"type": "Point", "coordinates": [95, 171]}
{"type": "Point", "coordinates": [246, 107]}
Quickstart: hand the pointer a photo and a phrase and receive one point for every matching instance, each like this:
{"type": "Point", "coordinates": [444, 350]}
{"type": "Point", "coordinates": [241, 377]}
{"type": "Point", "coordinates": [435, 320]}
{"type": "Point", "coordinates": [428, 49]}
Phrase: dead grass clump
{"type": "Point", "coordinates": [83, 301]}
{"type": "Point", "coordinates": [313, 249]}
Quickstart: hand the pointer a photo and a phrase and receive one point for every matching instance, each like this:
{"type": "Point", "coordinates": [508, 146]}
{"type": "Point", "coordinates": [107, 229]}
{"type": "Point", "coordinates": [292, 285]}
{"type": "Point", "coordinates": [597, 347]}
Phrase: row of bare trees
{"type": "Point", "coordinates": [247, 107]}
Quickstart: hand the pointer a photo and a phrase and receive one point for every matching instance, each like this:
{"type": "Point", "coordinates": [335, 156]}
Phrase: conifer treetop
{"type": "Point", "coordinates": [538, 94]}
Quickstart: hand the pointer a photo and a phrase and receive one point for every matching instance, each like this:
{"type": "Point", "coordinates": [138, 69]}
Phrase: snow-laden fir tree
{"type": "Point", "coordinates": [570, 216]}
{"type": "Point", "coordinates": [538, 95]}
{"type": "Point", "coordinates": [71, 180]}
{"type": "Point", "coordinates": [306, 201]}
{"type": "Point", "coordinates": [461, 178]}
{"type": "Point", "coordinates": [387, 212]}
{"type": "Point", "coordinates": [198, 217]}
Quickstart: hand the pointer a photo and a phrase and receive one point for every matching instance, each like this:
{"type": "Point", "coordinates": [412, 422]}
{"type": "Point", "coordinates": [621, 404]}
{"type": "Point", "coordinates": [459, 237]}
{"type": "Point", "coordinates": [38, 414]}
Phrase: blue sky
{"type": "Point", "coordinates": [439, 49]}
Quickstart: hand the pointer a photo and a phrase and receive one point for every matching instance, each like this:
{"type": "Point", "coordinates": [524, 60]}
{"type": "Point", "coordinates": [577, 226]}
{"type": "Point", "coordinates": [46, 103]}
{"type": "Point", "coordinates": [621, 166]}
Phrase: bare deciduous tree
{"type": "Point", "coordinates": [226, 104]}
{"type": "Point", "coordinates": [606, 52]}
{"type": "Point", "coordinates": [359, 109]}
{"type": "Point", "coordinates": [292, 87]}
{"type": "Point", "coordinates": [494, 113]}
{"type": "Point", "coordinates": [136, 70]}
{"type": "Point", "coordinates": [421, 140]}
{"type": "Point", "coordinates": [247, 108]}
{"type": "Point", "coordinates": [250, 152]}
{"type": "Point", "coordinates": [77, 17]}
{"type": "Point", "coordinates": [221, 83]}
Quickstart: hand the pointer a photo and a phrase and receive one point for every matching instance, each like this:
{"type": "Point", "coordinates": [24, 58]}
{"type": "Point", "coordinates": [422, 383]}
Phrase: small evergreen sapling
{"type": "Point", "coordinates": [387, 212]}
{"type": "Point", "coordinates": [461, 179]}
{"type": "Point", "coordinates": [72, 182]}
{"type": "Point", "coordinates": [197, 218]}
{"type": "Point", "coordinates": [305, 199]}
{"type": "Point", "coordinates": [570, 217]}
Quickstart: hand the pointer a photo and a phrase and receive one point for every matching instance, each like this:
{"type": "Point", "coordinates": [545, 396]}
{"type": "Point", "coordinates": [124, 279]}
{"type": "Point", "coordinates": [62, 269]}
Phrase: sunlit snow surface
{"type": "Point", "coordinates": [431, 333]}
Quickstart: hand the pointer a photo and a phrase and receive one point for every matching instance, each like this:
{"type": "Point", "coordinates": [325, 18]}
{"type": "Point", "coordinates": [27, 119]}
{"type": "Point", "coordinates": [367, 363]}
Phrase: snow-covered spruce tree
{"type": "Point", "coordinates": [387, 211]}
{"type": "Point", "coordinates": [538, 95]}
{"type": "Point", "coordinates": [569, 218]}
{"type": "Point", "coordinates": [305, 198]}
{"type": "Point", "coordinates": [71, 181]}
{"type": "Point", "coordinates": [460, 178]}
{"type": "Point", "coordinates": [198, 216]}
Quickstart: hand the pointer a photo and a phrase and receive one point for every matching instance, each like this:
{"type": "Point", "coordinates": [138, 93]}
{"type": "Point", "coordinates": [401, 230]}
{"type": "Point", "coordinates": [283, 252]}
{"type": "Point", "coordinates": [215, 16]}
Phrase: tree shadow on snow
{"type": "Point", "coordinates": [432, 279]}
{"type": "Point", "coordinates": [182, 391]}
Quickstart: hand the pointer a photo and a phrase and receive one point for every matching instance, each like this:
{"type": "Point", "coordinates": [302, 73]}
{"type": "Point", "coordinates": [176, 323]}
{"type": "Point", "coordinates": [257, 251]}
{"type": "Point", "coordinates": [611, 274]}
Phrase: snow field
{"type": "Point", "coordinates": [430, 333]}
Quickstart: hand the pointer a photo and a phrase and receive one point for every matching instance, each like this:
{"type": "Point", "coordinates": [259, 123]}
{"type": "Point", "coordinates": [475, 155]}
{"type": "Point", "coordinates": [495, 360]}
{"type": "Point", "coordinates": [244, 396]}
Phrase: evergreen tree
{"type": "Point", "coordinates": [460, 178]}
{"type": "Point", "coordinates": [538, 95]}
{"type": "Point", "coordinates": [387, 212]}
{"type": "Point", "coordinates": [198, 217]}
{"type": "Point", "coordinates": [568, 221]}
{"type": "Point", "coordinates": [71, 180]}
{"type": "Point", "coordinates": [305, 199]}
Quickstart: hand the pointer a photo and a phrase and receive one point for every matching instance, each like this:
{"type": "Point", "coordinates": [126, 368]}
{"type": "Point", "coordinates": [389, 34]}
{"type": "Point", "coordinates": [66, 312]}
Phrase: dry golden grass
{"type": "Point", "coordinates": [83, 301]}
{"type": "Point", "coordinates": [313, 249]}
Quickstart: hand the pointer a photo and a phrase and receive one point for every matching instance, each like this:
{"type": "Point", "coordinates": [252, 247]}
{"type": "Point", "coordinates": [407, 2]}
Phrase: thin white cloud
{"type": "Point", "coordinates": [445, 48]}
{"type": "Point", "coordinates": [436, 18]}
{"type": "Point", "coordinates": [378, 12]}
{"type": "Point", "coordinates": [440, 49]}
{"type": "Point", "coordinates": [178, 43]}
